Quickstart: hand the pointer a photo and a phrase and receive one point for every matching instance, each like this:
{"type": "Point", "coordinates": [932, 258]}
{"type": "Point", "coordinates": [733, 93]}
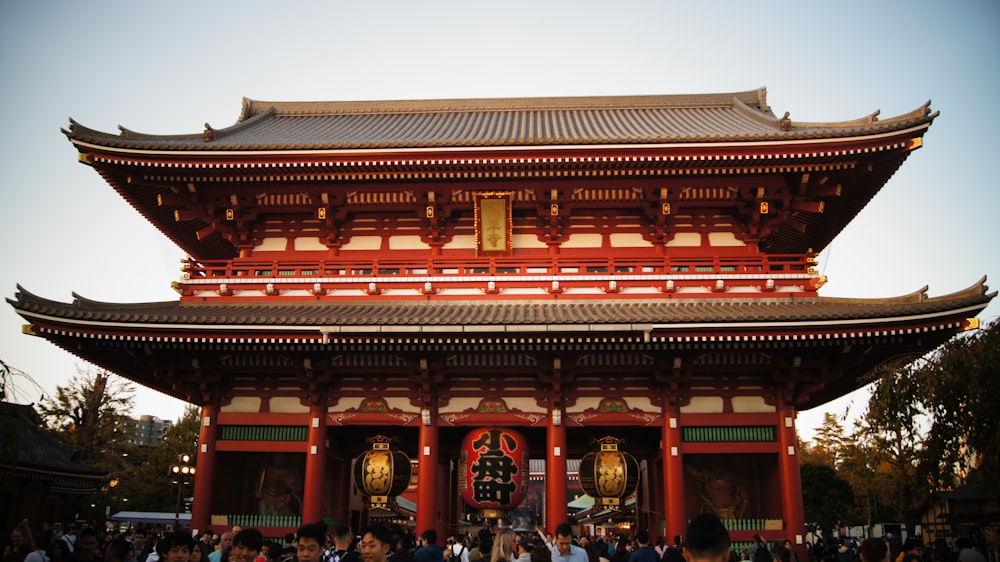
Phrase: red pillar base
{"type": "Point", "coordinates": [555, 480]}
{"type": "Point", "coordinates": [312, 500]}
{"type": "Point", "coordinates": [201, 509]}
{"type": "Point", "coordinates": [427, 464]}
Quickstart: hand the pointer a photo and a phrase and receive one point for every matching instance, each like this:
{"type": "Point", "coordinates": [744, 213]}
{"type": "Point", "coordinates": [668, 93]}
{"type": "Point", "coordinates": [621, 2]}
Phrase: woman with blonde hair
{"type": "Point", "coordinates": [503, 546]}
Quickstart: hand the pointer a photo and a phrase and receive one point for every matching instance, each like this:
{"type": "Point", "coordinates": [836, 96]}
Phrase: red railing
{"type": "Point", "coordinates": [523, 276]}
{"type": "Point", "coordinates": [497, 266]}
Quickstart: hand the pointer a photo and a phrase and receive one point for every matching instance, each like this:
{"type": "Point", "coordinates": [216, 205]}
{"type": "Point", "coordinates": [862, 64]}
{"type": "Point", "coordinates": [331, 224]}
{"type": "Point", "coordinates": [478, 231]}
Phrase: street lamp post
{"type": "Point", "coordinates": [180, 472]}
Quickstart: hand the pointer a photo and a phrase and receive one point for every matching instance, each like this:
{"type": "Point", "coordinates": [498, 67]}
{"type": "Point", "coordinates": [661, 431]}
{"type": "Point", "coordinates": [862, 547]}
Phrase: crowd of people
{"type": "Point", "coordinates": [707, 540]}
{"type": "Point", "coordinates": [912, 549]}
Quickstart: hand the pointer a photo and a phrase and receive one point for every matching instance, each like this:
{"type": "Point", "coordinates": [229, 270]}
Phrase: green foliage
{"type": "Point", "coordinates": [87, 415]}
{"type": "Point", "coordinates": [932, 425]}
{"type": "Point", "coordinates": [892, 435]}
{"type": "Point", "coordinates": [825, 496]}
{"type": "Point", "coordinates": [148, 487]}
{"type": "Point", "coordinates": [828, 444]}
{"type": "Point", "coordinates": [960, 388]}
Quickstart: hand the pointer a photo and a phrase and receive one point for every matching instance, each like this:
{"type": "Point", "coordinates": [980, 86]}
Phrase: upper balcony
{"type": "Point", "coordinates": [517, 277]}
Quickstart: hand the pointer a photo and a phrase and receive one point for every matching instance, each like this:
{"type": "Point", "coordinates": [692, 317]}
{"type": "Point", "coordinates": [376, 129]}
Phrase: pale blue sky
{"type": "Point", "coordinates": [169, 67]}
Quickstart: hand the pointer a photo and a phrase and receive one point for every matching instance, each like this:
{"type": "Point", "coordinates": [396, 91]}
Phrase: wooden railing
{"type": "Point", "coordinates": [497, 266]}
{"type": "Point", "coordinates": [511, 276]}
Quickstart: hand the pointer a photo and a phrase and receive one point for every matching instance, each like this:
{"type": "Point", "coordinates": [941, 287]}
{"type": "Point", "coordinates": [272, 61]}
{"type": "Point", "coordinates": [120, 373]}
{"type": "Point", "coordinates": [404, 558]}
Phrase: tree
{"type": "Point", "coordinates": [825, 496]}
{"type": "Point", "coordinates": [933, 424]}
{"type": "Point", "coordinates": [147, 487]}
{"type": "Point", "coordinates": [960, 388]}
{"type": "Point", "coordinates": [87, 415]}
{"type": "Point", "coordinates": [828, 444]}
{"type": "Point", "coordinates": [892, 434]}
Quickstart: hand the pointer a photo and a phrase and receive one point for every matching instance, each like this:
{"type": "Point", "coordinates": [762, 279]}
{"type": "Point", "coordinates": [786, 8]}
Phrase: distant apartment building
{"type": "Point", "coordinates": [147, 431]}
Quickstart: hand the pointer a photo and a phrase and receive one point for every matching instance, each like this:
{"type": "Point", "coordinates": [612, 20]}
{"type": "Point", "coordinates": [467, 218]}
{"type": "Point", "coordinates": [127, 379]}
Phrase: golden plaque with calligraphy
{"type": "Point", "coordinates": [494, 229]}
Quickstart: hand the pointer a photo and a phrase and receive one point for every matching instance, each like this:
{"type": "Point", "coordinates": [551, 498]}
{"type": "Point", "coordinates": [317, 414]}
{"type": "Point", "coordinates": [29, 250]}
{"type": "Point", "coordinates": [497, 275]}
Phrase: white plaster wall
{"type": "Point", "coordinates": [288, 405]}
{"type": "Point", "coordinates": [723, 239]}
{"type": "Point", "coordinates": [346, 404]}
{"type": "Point", "coordinates": [644, 403]}
{"type": "Point", "coordinates": [309, 243]}
{"type": "Point", "coordinates": [751, 404]}
{"type": "Point", "coordinates": [271, 245]}
{"type": "Point", "coordinates": [583, 404]}
{"type": "Point", "coordinates": [704, 405]}
{"type": "Point", "coordinates": [685, 239]}
{"type": "Point", "coordinates": [583, 241]}
{"type": "Point", "coordinates": [407, 243]}
{"type": "Point", "coordinates": [629, 240]}
{"type": "Point", "coordinates": [459, 405]}
{"type": "Point", "coordinates": [527, 241]}
{"type": "Point", "coordinates": [363, 243]}
{"type": "Point", "coordinates": [461, 242]}
{"type": "Point", "coordinates": [403, 404]}
{"type": "Point", "coordinates": [526, 404]}
{"type": "Point", "coordinates": [243, 404]}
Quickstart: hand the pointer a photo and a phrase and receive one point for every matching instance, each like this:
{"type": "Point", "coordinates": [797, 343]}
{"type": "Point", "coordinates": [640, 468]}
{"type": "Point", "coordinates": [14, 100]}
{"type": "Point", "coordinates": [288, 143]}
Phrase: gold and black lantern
{"type": "Point", "coordinates": [608, 474]}
{"type": "Point", "coordinates": [382, 473]}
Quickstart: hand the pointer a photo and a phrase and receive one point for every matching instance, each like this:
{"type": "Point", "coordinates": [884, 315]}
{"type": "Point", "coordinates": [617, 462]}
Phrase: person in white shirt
{"type": "Point", "coordinates": [459, 552]}
{"type": "Point", "coordinates": [39, 544]}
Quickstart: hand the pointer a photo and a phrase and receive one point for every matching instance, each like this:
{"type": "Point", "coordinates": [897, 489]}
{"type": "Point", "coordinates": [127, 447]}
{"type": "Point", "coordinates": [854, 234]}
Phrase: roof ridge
{"type": "Point", "coordinates": [753, 98]}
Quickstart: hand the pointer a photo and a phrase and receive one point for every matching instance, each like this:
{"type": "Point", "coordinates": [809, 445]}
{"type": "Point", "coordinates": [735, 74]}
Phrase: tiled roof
{"type": "Point", "coordinates": [25, 446]}
{"type": "Point", "coordinates": [486, 313]}
{"type": "Point", "coordinates": [726, 117]}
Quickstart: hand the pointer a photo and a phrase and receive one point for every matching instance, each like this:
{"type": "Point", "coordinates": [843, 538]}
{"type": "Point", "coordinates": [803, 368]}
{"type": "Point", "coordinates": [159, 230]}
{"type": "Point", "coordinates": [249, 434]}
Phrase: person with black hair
{"type": "Point", "coordinates": [674, 552]}
{"type": "Point", "coordinates": [541, 552]}
{"type": "Point", "coordinates": [967, 551]}
{"type": "Point", "coordinates": [873, 550]}
{"type": "Point", "coordinates": [87, 542]}
{"type": "Point", "coordinates": [247, 545]}
{"type": "Point", "coordinates": [310, 541]}
{"type": "Point", "coordinates": [402, 546]}
{"type": "Point", "coordinates": [200, 552]}
{"type": "Point", "coordinates": [565, 550]}
{"type": "Point", "coordinates": [59, 551]}
{"type": "Point", "coordinates": [428, 549]}
{"type": "Point", "coordinates": [375, 543]}
{"type": "Point", "coordinates": [39, 548]}
{"type": "Point", "coordinates": [761, 553]}
{"type": "Point", "coordinates": [341, 550]}
{"type": "Point", "coordinates": [118, 550]}
{"type": "Point", "coordinates": [707, 540]}
{"type": "Point", "coordinates": [481, 551]}
{"type": "Point", "coordinates": [522, 549]}
{"type": "Point", "coordinates": [643, 551]}
{"type": "Point", "coordinates": [175, 547]}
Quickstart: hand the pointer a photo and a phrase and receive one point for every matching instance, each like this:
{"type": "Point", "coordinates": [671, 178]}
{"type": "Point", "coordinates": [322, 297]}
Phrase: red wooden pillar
{"type": "Point", "coordinates": [654, 479]}
{"type": "Point", "coordinates": [201, 509]}
{"type": "Point", "coordinates": [673, 471]}
{"type": "Point", "coordinates": [556, 472]}
{"type": "Point", "coordinates": [791, 479]}
{"type": "Point", "coordinates": [312, 499]}
{"type": "Point", "coordinates": [340, 490]}
{"type": "Point", "coordinates": [427, 464]}
{"type": "Point", "coordinates": [444, 505]}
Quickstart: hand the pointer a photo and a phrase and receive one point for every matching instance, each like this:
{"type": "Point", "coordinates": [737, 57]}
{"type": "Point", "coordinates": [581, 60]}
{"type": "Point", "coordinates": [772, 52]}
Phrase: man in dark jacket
{"type": "Point", "coordinates": [644, 553]}
{"type": "Point", "coordinates": [428, 549]}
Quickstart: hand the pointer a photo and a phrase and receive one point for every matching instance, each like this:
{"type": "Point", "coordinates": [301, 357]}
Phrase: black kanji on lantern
{"type": "Point", "coordinates": [495, 468]}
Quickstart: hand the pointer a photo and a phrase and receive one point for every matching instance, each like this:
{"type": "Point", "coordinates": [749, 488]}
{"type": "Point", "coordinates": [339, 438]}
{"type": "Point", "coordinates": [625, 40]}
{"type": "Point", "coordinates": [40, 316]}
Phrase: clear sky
{"type": "Point", "coordinates": [170, 67]}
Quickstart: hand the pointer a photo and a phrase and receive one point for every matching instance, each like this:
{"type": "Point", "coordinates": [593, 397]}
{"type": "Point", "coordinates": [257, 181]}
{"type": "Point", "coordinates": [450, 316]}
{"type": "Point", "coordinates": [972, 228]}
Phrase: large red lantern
{"type": "Point", "coordinates": [608, 474]}
{"type": "Point", "coordinates": [381, 473]}
{"type": "Point", "coordinates": [493, 469]}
